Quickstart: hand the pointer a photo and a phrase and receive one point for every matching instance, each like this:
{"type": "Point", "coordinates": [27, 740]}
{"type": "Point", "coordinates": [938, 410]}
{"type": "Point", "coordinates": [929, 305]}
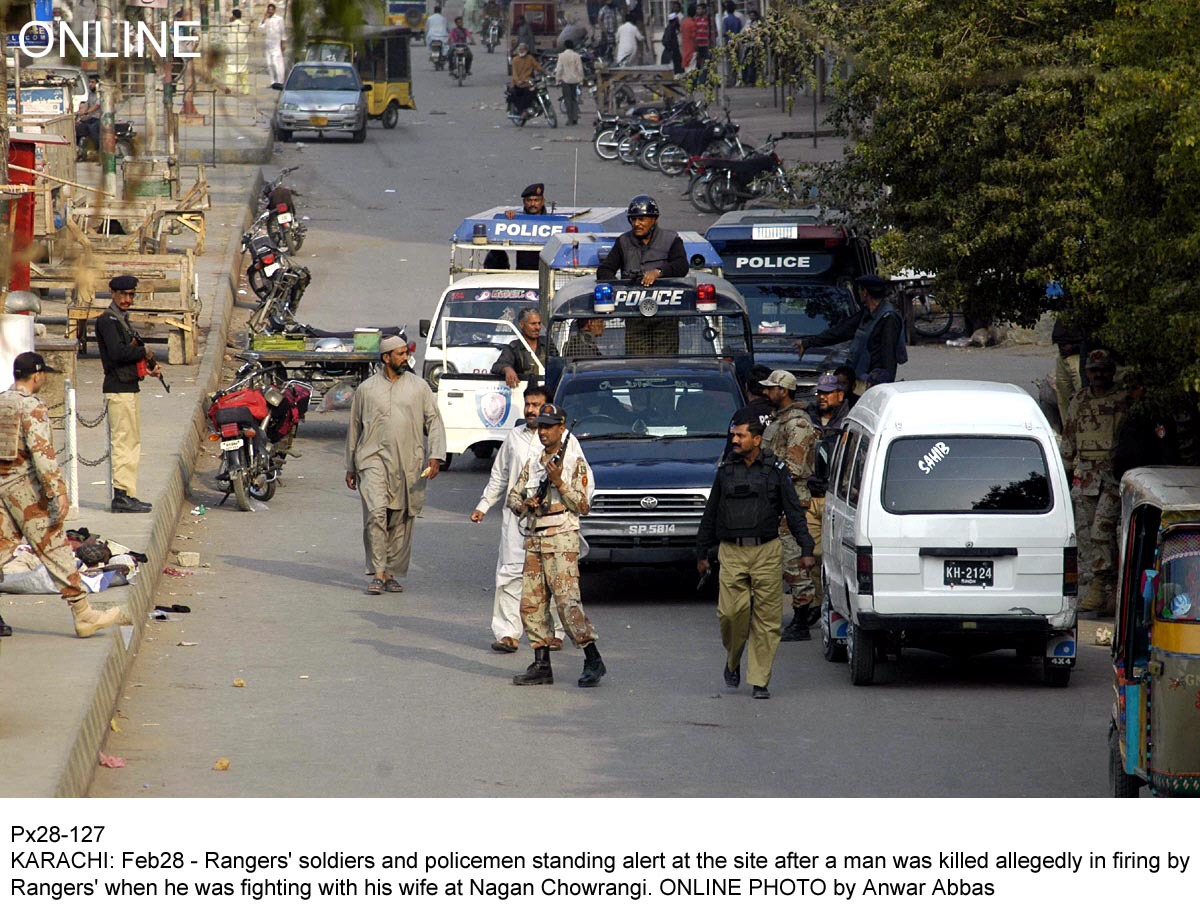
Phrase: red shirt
{"type": "Point", "coordinates": [702, 36]}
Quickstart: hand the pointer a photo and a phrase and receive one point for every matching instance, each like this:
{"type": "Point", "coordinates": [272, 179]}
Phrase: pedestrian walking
{"type": "Point", "coordinates": [569, 73]}
{"type": "Point", "coordinates": [33, 495]}
{"type": "Point", "coordinates": [704, 35]}
{"type": "Point", "coordinates": [750, 45]}
{"type": "Point", "coordinates": [629, 43]}
{"type": "Point", "coordinates": [126, 360]}
{"type": "Point", "coordinates": [875, 333]}
{"type": "Point", "coordinates": [687, 37]}
{"type": "Point", "coordinates": [672, 53]}
{"type": "Point", "coordinates": [606, 27]}
{"type": "Point", "coordinates": [752, 490]}
{"type": "Point", "coordinates": [237, 55]}
{"type": "Point", "coordinates": [827, 416]}
{"type": "Point", "coordinates": [395, 442]}
{"type": "Point", "coordinates": [792, 438]}
{"type": "Point", "coordinates": [1089, 441]}
{"type": "Point", "coordinates": [521, 445]}
{"type": "Point", "coordinates": [274, 44]}
{"type": "Point", "coordinates": [552, 491]}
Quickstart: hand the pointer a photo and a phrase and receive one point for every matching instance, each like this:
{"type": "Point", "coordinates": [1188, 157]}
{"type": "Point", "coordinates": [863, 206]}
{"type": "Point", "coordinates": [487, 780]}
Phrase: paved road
{"type": "Point", "coordinates": [348, 694]}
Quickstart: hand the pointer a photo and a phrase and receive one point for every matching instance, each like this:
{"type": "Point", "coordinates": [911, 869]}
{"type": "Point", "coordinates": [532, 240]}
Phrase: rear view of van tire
{"type": "Point", "coordinates": [861, 655]}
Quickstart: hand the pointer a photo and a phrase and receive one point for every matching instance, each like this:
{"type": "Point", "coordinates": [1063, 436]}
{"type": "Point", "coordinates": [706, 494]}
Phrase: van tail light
{"type": "Point", "coordinates": [865, 571]}
{"type": "Point", "coordinates": [1070, 570]}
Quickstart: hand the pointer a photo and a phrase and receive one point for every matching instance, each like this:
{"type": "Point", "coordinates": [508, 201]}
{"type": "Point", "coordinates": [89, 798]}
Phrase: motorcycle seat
{"type": "Point", "coordinates": [748, 168]}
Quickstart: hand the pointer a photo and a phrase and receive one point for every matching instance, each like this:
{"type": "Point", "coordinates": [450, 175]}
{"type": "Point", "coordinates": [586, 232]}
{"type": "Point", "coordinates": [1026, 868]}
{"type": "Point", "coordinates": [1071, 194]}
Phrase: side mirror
{"type": "Point", "coordinates": [423, 329]}
{"type": "Point", "coordinates": [366, 88]}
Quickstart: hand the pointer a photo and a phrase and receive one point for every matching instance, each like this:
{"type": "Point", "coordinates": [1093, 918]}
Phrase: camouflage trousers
{"type": "Point", "coordinates": [803, 589]}
{"type": "Point", "coordinates": [1097, 519]}
{"type": "Point", "coordinates": [25, 518]}
{"type": "Point", "coordinates": [551, 576]}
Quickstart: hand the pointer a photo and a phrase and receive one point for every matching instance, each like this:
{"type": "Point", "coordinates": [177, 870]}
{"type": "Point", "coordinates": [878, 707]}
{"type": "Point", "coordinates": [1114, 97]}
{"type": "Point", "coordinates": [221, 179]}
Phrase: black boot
{"type": "Point", "coordinates": [5, 629]}
{"type": "Point", "coordinates": [539, 672]}
{"type": "Point", "coordinates": [798, 628]}
{"type": "Point", "coordinates": [123, 502]}
{"type": "Point", "coordinates": [593, 667]}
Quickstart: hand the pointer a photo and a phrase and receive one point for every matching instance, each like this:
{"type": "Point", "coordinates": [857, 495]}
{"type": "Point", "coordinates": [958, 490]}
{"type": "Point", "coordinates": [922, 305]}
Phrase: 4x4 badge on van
{"type": "Point", "coordinates": [649, 503]}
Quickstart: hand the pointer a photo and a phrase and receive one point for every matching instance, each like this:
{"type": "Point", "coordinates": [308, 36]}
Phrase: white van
{"type": "Point", "coordinates": [948, 526]}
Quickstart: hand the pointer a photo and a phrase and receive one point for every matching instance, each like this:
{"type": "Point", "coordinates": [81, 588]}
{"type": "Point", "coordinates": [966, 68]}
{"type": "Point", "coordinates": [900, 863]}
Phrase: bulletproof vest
{"type": "Point", "coordinates": [637, 259]}
{"type": "Point", "coordinates": [746, 493]}
{"type": "Point", "coordinates": [1096, 437]}
{"type": "Point", "coordinates": [10, 425]}
{"type": "Point", "coordinates": [860, 347]}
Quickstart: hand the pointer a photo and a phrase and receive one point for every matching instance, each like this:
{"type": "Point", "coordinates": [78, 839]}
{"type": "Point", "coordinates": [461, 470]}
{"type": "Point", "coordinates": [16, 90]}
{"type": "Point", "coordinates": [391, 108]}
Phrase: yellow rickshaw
{"type": "Point", "coordinates": [408, 13]}
{"type": "Point", "coordinates": [384, 63]}
{"type": "Point", "coordinates": [1154, 737]}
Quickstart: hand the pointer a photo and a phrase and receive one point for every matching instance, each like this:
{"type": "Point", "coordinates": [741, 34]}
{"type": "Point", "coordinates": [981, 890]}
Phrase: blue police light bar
{"type": "Point", "coordinates": [603, 298]}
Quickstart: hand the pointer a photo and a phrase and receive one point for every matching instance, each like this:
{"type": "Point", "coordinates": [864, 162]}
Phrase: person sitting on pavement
{"type": "Point", "coordinates": [33, 494]}
{"type": "Point", "coordinates": [646, 252]}
{"type": "Point", "coordinates": [516, 359]}
{"type": "Point", "coordinates": [524, 65]}
{"type": "Point", "coordinates": [460, 36]}
{"type": "Point", "coordinates": [876, 332]}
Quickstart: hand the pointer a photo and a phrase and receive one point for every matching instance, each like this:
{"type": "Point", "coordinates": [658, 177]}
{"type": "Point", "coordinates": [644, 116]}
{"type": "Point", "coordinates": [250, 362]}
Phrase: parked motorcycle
{"type": "Point", "coordinates": [458, 63]}
{"type": "Point", "coordinates": [85, 148]}
{"type": "Point", "coordinates": [437, 54]}
{"type": "Point", "coordinates": [283, 224]}
{"type": "Point", "coordinates": [734, 183]}
{"type": "Point", "coordinates": [255, 424]}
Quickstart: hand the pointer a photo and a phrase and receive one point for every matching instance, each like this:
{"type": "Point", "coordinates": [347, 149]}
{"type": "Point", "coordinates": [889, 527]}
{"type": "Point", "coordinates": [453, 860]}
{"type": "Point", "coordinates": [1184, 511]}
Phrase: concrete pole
{"type": "Point", "coordinates": [108, 91]}
{"type": "Point", "coordinates": [72, 452]}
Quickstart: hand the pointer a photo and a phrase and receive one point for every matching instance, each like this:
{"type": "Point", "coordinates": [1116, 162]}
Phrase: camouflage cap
{"type": "Point", "coordinates": [1099, 360]}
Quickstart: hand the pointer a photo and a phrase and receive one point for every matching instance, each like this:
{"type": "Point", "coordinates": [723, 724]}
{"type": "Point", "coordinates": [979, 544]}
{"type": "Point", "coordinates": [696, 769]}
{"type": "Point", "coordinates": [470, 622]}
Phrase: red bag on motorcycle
{"type": "Point", "coordinates": [240, 406]}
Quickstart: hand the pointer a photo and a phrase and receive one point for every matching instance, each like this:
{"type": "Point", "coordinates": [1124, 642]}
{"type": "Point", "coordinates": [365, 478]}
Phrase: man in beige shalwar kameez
{"type": "Point", "coordinates": [392, 415]}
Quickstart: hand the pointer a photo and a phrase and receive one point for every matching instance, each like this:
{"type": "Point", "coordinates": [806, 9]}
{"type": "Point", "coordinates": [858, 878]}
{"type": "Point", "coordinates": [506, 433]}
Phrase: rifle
{"type": "Point", "coordinates": [526, 521]}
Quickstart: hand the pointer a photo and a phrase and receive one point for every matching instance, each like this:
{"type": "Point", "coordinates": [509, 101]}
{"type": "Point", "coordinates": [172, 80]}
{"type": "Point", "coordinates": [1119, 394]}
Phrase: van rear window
{"type": "Point", "coordinates": [954, 474]}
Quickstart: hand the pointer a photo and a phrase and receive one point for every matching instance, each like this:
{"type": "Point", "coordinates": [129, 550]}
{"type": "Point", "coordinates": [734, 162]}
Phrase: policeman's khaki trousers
{"type": "Point", "coordinates": [751, 574]}
{"type": "Point", "coordinates": [814, 515]}
{"type": "Point", "coordinates": [124, 439]}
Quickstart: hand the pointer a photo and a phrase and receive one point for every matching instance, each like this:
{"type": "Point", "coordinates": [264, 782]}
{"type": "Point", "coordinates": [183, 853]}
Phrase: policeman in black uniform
{"type": "Point", "coordinates": [121, 353]}
{"type": "Point", "coordinates": [533, 201]}
{"type": "Point", "coordinates": [875, 333]}
{"type": "Point", "coordinates": [751, 492]}
{"type": "Point", "coordinates": [646, 252]}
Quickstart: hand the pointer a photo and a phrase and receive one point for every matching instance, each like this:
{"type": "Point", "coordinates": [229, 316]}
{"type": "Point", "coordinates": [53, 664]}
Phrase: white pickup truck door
{"type": "Point", "coordinates": [480, 408]}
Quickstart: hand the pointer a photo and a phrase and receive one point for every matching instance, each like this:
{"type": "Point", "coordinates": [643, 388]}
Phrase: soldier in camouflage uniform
{"type": "Point", "coordinates": [551, 492]}
{"type": "Point", "coordinates": [33, 496]}
{"type": "Point", "coordinates": [793, 438]}
{"type": "Point", "coordinates": [1089, 438]}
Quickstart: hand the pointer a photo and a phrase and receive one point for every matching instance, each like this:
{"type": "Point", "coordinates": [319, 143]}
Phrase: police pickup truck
{"type": "Point", "coordinates": [794, 270]}
{"type": "Point", "coordinates": [649, 378]}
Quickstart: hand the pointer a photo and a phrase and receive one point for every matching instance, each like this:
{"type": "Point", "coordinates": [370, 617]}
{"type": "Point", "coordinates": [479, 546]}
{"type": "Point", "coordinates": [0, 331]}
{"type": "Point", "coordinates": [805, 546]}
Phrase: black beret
{"type": "Point", "coordinates": [872, 283]}
{"type": "Point", "coordinates": [123, 283]}
{"type": "Point", "coordinates": [537, 188]}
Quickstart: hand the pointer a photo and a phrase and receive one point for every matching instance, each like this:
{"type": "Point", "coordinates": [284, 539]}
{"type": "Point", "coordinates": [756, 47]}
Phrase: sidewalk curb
{"type": "Point", "coordinates": [81, 763]}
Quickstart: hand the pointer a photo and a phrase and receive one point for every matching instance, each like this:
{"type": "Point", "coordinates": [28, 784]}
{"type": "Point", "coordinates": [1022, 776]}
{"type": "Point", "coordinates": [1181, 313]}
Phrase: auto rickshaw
{"type": "Point", "coordinates": [408, 13]}
{"type": "Point", "coordinates": [542, 19]}
{"type": "Point", "coordinates": [1154, 738]}
{"type": "Point", "coordinates": [384, 63]}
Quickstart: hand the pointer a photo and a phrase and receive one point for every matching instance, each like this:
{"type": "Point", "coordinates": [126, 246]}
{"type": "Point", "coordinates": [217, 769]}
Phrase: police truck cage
{"type": "Point", "coordinates": [701, 316]}
{"type": "Point", "coordinates": [567, 256]}
{"type": "Point", "coordinates": [495, 233]}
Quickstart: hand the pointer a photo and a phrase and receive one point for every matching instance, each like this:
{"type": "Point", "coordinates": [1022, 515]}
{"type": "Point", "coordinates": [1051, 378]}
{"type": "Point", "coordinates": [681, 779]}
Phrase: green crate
{"type": "Point", "coordinates": [151, 188]}
{"type": "Point", "coordinates": [277, 343]}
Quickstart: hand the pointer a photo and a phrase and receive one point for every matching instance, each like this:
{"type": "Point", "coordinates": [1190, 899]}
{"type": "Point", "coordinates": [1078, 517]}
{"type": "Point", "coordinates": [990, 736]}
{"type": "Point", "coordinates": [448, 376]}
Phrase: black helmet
{"type": "Point", "coordinates": [642, 206]}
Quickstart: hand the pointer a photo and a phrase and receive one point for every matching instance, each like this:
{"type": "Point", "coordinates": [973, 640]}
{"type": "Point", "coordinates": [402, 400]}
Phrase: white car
{"type": "Point", "coordinates": [948, 525]}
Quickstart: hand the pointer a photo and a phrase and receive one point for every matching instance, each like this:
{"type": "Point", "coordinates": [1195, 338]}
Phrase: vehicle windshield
{"type": "Point", "coordinates": [482, 304]}
{"type": "Point", "coordinates": [953, 475]}
{"type": "Point", "coordinates": [328, 51]}
{"type": "Point", "coordinates": [781, 308]}
{"type": "Point", "coordinates": [1179, 578]}
{"type": "Point", "coordinates": [323, 79]}
{"type": "Point", "coordinates": [671, 405]}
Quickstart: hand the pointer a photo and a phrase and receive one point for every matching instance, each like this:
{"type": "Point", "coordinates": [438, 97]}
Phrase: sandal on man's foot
{"type": "Point", "coordinates": [393, 586]}
{"type": "Point", "coordinates": [376, 587]}
{"type": "Point", "coordinates": [505, 644]}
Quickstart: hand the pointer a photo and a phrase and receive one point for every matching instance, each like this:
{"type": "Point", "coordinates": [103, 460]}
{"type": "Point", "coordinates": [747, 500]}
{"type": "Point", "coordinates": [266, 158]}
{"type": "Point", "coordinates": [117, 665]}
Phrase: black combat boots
{"type": "Point", "coordinates": [539, 672]}
{"type": "Point", "coordinates": [593, 667]}
{"type": "Point", "coordinates": [123, 502]}
{"type": "Point", "coordinates": [798, 628]}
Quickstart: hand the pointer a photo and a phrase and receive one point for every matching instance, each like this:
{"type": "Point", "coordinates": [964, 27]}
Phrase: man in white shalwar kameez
{"type": "Point", "coordinates": [392, 415]}
{"type": "Point", "coordinates": [521, 444]}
